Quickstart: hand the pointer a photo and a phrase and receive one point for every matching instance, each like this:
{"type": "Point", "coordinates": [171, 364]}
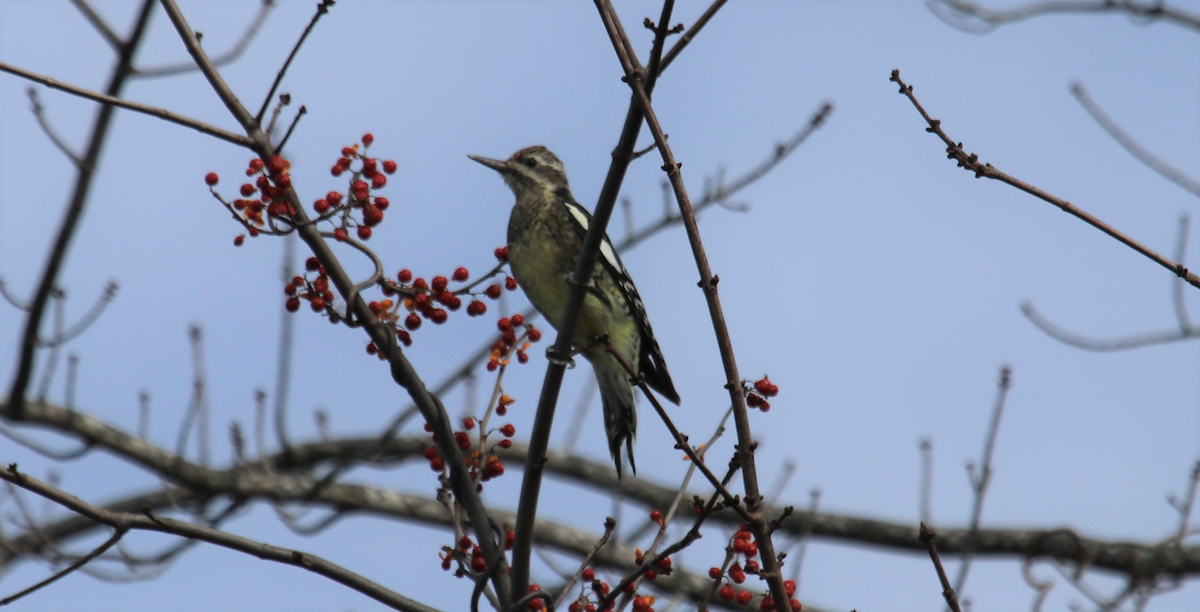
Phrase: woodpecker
{"type": "Point", "coordinates": [545, 235]}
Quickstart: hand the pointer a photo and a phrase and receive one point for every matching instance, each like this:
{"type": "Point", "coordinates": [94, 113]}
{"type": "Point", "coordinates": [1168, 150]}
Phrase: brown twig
{"type": "Point", "coordinates": [239, 47]}
{"type": "Point", "coordinates": [150, 522]}
{"type": "Point", "coordinates": [708, 283]}
{"type": "Point", "coordinates": [927, 536]}
{"type": "Point", "coordinates": [983, 478]}
{"type": "Point", "coordinates": [80, 562]}
{"type": "Point", "coordinates": [971, 163]}
{"type": "Point", "coordinates": [70, 220]}
{"type": "Point", "coordinates": [322, 8]}
{"type": "Point", "coordinates": [539, 437]}
{"type": "Point", "coordinates": [380, 333]}
{"type": "Point", "coordinates": [1127, 142]}
{"type": "Point", "coordinates": [991, 19]}
{"type": "Point", "coordinates": [39, 113]}
{"type": "Point", "coordinates": [609, 526]}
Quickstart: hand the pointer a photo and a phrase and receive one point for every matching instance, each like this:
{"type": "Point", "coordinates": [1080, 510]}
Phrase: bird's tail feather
{"type": "Point", "coordinates": [620, 414]}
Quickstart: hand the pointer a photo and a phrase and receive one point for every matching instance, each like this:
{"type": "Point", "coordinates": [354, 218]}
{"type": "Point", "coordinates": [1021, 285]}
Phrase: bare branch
{"type": "Point", "coordinates": [977, 19]}
{"type": "Point", "coordinates": [99, 550]}
{"type": "Point", "coordinates": [149, 522]}
{"type": "Point", "coordinates": [239, 47]}
{"type": "Point", "coordinates": [1129, 144]}
{"type": "Point", "coordinates": [101, 26]}
{"type": "Point", "coordinates": [322, 8]}
{"type": "Point", "coordinates": [40, 114]}
{"type": "Point", "coordinates": [972, 164]}
{"type": "Point", "coordinates": [927, 536]}
{"type": "Point", "coordinates": [1114, 344]}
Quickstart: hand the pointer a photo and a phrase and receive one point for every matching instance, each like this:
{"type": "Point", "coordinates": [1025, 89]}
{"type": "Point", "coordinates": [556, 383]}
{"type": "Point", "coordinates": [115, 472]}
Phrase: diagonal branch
{"type": "Point", "coordinates": [971, 163]}
{"type": "Point", "coordinates": [986, 19]}
{"type": "Point", "coordinates": [149, 522]}
{"type": "Point", "coordinates": [70, 220]}
{"type": "Point", "coordinates": [239, 47]}
{"type": "Point", "coordinates": [1167, 171]}
{"type": "Point", "coordinates": [708, 283]}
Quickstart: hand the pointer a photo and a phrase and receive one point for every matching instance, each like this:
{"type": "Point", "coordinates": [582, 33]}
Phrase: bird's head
{"type": "Point", "coordinates": [531, 169]}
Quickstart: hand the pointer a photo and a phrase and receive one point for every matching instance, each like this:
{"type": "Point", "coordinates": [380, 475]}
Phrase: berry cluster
{"type": "Point", "coordinates": [469, 554]}
{"type": "Point", "coordinates": [315, 290]}
{"type": "Point", "coordinates": [482, 463]}
{"type": "Point", "coordinates": [366, 174]}
{"type": "Point", "coordinates": [593, 590]}
{"type": "Point", "coordinates": [271, 187]}
{"type": "Point", "coordinates": [757, 392]}
{"type": "Point", "coordinates": [742, 545]}
{"type": "Point", "coordinates": [503, 348]}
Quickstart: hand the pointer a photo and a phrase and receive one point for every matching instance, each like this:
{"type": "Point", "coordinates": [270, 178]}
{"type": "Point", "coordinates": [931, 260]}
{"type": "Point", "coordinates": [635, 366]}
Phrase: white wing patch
{"type": "Point", "coordinates": [606, 248]}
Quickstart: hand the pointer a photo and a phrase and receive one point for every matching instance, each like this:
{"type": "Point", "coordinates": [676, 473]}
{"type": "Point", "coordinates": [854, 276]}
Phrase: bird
{"type": "Point", "coordinates": [545, 236]}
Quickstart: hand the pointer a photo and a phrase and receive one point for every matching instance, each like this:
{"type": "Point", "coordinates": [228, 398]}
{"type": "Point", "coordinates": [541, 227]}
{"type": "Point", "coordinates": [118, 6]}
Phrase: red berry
{"type": "Point", "coordinates": [743, 597]}
{"type": "Point", "coordinates": [714, 573]}
{"type": "Point", "coordinates": [518, 320]}
{"type": "Point", "coordinates": [478, 565]}
{"type": "Point", "coordinates": [469, 423]}
{"type": "Point", "coordinates": [367, 139]}
{"type": "Point", "coordinates": [211, 179]}
{"type": "Point", "coordinates": [751, 549]}
{"type": "Point", "coordinates": [247, 190]}
{"type": "Point", "coordinates": [371, 350]}
{"type": "Point", "coordinates": [293, 304]}
{"type": "Point", "coordinates": [412, 321]}
{"type": "Point", "coordinates": [404, 275]}
{"type": "Point", "coordinates": [364, 232]}
{"type": "Point", "coordinates": [510, 283]}
{"type": "Point", "coordinates": [372, 215]}
{"type": "Point", "coordinates": [476, 308]}
{"type": "Point", "coordinates": [333, 197]}
{"type": "Point", "coordinates": [253, 231]}
{"type": "Point", "coordinates": [766, 406]}
{"type": "Point", "coordinates": [339, 234]}
{"type": "Point", "coordinates": [522, 357]}
{"type": "Point", "coordinates": [275, 165]}
{"type": "Point", "coordinates": [753, 400]}
{"type": "Point", "coordinates": [726, 593]}
{"type": "Point", "coordinates": [321, 206]}
{"type": "Point", "coordinates": [389, 166]}
{"type": "Point", "coordinates": [509, 337]}
{"type": "Point", "coordinates": [656, 515]}
{"type": "Point", "coordinates": [491, 367]}
{"type": "Point", "coordinates": [505, 443]}
{"type": "Point", "coordinates": [796, 605]}
{"type": "Point", "coordinates": [256, 164]}
{"type": "Point", "coordinates": [462, 440]}
{"type": "Point", "coordinates": [337, 170]}
{"type": "Point", "coordinates": [509, 538]}
{"type": "Point", "coordinates": [493, 291]}
{"type": "Point", "coordinates": [461, 274]}
{"type": "Point", "coordinates": [420, 284]}
{"type": "Point", "coordinates": [505, 324]}
{"type": "Point", "coordinates": [404, 337]}
{"type": "Point", "coordinates": [238, 240]}
{"type": "Point", "coordinates": [437, 463]}
{"type": "Point", "coordinates": [501, 410]}
{"type": "Point", "coordinates": [369, 166]}
{"type": "Point", "coordinates": [379, 181]}
{"type": "Point", "coordinates": [431, 452]}
{"type": "Point", "coordinates": [651, 574]}
{"type": "Point", "coordinates": [502, 253]}
{"type": "Point", "coordinates": [664, 564]}
{"type": "Point", "coordinates": [790, 587]}
{"type": "Point", "coordinates": [439, 284]}
{"type": "Point", "coordinates": [768, 603]}
{"type": "Point", "coordinates": [318, 304]}
{"type": "Point", "coordinates": [763, 386]}
{"type": "Point", "coordinates": [535, 335]}
{"type": "Point", "coordinates": [508, 430]}
{"type": "Point", "coordinates": [283, 181]}
{"type": "Point", "coordinates": [382, 203]}
{"type": "Point", "coordinates": [588, 575]}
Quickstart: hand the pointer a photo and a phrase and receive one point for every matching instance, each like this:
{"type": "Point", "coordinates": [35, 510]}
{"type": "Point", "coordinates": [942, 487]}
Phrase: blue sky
{"type": "Point", "coordinates": [876, 283]}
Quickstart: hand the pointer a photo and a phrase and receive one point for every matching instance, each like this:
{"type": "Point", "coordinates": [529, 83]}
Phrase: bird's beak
{"type": "Point", "coordinates": [494, 164]}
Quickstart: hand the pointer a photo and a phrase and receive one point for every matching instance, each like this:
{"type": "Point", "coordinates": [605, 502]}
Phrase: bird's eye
{"type": "Point", "coordinates": [530, 162]}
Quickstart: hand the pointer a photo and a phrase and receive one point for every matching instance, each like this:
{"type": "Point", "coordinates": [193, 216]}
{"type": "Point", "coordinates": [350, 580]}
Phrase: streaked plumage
{"type": "Point", "coordinates": [545, 235]}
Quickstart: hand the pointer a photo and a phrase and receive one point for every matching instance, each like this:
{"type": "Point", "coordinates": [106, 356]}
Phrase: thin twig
{"type": "Point", "coordinates": [610, 524]}
{"type": "Point", "coordinates": [110, 100]}
{"type": "Point", "coordinates": [283, 368]}
{"type": "Point", "coordinates": [927, 536]}
{"type": "Point", "coordinates": [322, 8]}
{"type": "Point", "coordinates": [39, 113]}
{"type": "Point", "coordinates": [1114, 344]}
{"type": "Point", "coordinates": [987, 19]}
{"type": "Point", "coordinates": [708, 283]}
{"type": "Point", "coordinates": [94, 18]}
{"type": "Point", "coordinates": [99, 550]}
{"type": "Point", "coordinates": [926, 491]}
{"type": "Point", "coordinates": [110, 291]}
{"type": "Point", "coordinates": [1129, 144]}
{"type": "Point", "coordinates": [70, 220]}
{"type": "Point", "coordinates": [981, 480]}
{"type": "Point", "coordinates": [239, 47]}
{"type": "Point", "coordinates": [971, 163]}
{"type": "Point", "coordinates": [150, 522]}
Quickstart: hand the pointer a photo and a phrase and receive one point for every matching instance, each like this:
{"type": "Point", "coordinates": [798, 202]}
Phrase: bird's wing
{"type": "Point", "coordinates": [652, 365]}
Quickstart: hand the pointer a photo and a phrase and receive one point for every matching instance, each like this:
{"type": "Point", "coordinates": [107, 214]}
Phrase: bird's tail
{"type": "Point", "coordinates": [620, 413]}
